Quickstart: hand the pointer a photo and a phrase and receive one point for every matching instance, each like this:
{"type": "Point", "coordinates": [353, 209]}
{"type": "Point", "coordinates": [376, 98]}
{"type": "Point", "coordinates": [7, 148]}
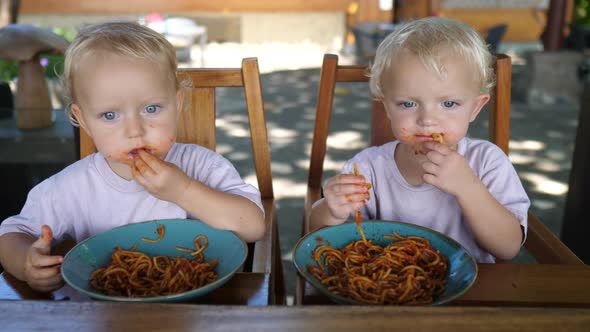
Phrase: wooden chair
{"type": "Point", "coordinates": [197, 126]}
{"type": "Point", "coordinates": [545, 247]}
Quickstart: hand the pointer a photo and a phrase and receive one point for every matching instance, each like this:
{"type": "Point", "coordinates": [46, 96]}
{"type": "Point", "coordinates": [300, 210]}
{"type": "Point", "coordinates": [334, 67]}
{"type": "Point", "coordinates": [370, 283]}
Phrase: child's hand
{"type": "Point", "coordinates": [345, 193]}
{"type": "Point", "coordinates": [41, 270]}
{"type": "Point", "coordinates": [446, 169]}
{"type": "Point", "coordinates": [162, 179]}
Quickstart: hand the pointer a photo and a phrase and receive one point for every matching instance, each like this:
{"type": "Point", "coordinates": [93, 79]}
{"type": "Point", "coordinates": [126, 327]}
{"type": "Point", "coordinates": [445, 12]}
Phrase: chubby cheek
{"type": "Point", "coordinates": [404, 135]}
{"type": "Point", "coordinates": [161, 146]}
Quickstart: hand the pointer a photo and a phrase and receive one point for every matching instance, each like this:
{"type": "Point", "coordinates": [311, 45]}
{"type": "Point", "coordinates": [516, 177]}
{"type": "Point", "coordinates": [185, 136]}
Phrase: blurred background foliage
{"type": "Point", "coordinates": [53, 64]}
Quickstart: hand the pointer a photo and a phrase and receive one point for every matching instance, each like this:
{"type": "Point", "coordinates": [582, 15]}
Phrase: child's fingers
{"type": "Point", "coordinates": [356, 197]}
{"type": "Point", "coordinates": [152, 161]}
{"type": "Point", "coordinates": [347, 179]}
{"type": "Point", "coordinates": [138, 176]}
{"type": "Point", "coordinates": [43, 243]}
{"type": "Point", "coordinates": [435, 146]}
{"type": "Point", "coordinates": [435, 157]}
{"type": "Point", "coordinates": [348, 189]}
{"type": "Point", "coordinates": [430, 168]}
{"type": "Point", "coordinates": [46, 273]}
{"type": "Point", "coordinates": [142, 167]}
{"type": "Point", "coordinates": [46, 234]}
{"type": "Point", "coordinates": [48, 284]}
{"type": "Point", "coordinates": [42, 261]}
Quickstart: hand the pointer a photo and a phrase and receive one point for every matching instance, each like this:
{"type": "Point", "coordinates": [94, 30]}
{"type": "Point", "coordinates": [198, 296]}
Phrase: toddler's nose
{"type": "Point", "coordinates": [133, 127]}
{"type": "Point", "coordinates": [427, 117]}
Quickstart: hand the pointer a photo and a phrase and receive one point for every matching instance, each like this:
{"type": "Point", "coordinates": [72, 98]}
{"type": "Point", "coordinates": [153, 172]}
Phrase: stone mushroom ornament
{"type": "Point", "coordinates": [25, 43]}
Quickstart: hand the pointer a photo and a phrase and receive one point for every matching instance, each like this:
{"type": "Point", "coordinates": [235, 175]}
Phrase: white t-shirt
{"type": "Point", "coordinates": [393, 198]}
{"type": "Point", "coordinates": [88, 198]}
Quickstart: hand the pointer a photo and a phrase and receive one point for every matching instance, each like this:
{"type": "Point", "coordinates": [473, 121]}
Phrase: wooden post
{"type": "Point", "coordinates": [576, 226]}
{"type": "Point", "coordinates": [552, 36]}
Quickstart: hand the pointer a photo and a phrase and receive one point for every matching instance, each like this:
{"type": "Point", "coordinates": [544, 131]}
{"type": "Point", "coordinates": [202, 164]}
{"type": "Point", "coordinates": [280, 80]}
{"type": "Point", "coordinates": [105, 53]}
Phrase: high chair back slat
{"type": "Point", "coordinates": [545, 246]}
{"type": "Point", "coordinates": [197, 126]}
{"type": "Point", "coordinates": [499, 112]}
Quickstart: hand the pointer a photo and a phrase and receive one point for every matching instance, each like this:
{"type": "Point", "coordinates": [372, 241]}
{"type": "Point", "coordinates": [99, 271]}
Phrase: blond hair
{"type": "Point", "coordinates": [122, 38]}
{"type": "Point", "coordinates": [427, 38]}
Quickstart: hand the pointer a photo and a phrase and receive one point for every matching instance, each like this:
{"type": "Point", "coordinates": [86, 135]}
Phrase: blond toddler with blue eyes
{"type": "Point", "coordinates": [121, 79]}
{"type": "Point", "coordinates": [433, 76]}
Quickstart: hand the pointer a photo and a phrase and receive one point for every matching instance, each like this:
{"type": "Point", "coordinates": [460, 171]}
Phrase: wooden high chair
{"type": "Point", "coordinates": [541, 242]}
{"type": "Point", "coordinates": [197, 126]}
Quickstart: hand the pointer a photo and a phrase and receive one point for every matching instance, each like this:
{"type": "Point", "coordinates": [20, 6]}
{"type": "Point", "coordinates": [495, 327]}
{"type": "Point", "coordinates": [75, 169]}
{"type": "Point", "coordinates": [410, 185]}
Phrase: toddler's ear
{"type": "Point", "coordinates": [77, 113]}
{"type": "Point", "coordinates": [480, 102]}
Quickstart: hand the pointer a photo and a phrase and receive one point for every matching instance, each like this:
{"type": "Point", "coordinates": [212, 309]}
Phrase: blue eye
{"type": "Point", "coordinates": [449, 104]}
{"type": "Point", "coordinates": [152, 108]}
{"type": "Point", "coordinates": [407, 104]}
{"type": "Point", "coordinates": [109, 115]}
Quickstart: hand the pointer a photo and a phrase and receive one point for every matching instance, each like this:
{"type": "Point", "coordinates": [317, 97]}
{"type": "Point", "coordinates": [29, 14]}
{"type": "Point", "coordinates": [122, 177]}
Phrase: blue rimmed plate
{"type": "Point", "coordinates": [462, 266]}
{"type": "Point", "coordinates": [95, 252]}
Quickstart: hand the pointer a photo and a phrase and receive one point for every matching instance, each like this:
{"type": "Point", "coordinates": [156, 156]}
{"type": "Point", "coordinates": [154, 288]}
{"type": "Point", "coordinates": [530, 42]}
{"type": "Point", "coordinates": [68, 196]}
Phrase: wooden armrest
{"type": "Point", "coordinates": [266, 256]}
{"type": "Point", "coordinates": [545, 246]}
{"type": "Point", "coordinates": [263, 248]}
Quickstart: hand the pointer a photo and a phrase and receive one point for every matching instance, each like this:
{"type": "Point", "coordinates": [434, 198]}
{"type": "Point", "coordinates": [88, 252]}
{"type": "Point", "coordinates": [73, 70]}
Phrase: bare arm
{"type": "Point", "coordinates": [218, 209]}
{"type": "Point", "coordinates": [13, 252]}
{"type": "Point", "coordinates": [224, 211]}
{"type": "Point", "coordinates": [495, 228]}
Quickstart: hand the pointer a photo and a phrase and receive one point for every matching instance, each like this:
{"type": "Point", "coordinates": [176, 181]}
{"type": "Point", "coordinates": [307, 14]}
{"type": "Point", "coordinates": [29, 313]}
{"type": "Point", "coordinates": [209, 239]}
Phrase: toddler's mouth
{"type": "Point", "coordinates": [133, 153]}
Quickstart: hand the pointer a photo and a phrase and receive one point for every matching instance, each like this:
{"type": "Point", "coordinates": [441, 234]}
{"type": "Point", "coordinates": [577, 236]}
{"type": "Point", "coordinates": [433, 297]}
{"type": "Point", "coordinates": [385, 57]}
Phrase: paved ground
{"type": "Point", "coordinates": [542, 137]}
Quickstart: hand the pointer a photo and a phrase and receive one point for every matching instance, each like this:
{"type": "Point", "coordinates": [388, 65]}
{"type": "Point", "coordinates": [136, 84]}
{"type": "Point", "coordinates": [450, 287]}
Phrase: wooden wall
{"type": "Point", "coordinates": [524, 24]}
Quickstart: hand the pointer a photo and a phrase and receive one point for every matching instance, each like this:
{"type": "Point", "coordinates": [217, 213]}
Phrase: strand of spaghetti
{"type": "Point", "coordinates": [358, 216]}
{"type": "Point", "coordinates": [160, 231]}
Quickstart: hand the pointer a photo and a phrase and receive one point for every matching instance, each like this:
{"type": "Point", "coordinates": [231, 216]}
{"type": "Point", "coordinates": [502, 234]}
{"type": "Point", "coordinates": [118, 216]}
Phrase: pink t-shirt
{"type": "Point", "coordinates": [393, 198]}
{"type": "Point", "coordinates": [88, 198]}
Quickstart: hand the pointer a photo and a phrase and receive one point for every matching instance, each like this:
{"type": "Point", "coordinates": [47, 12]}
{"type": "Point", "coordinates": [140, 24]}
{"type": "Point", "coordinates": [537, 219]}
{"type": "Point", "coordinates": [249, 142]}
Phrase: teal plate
{"type": "Point", "coordinates": [95, 252]}
{"type": "Point", "coordinates": [462, 266]}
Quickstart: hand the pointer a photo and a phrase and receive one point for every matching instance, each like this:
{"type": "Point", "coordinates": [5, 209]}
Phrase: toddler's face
{"type": "Point", "coordinates": [125, 105]}
{"type": "Point", "coordinates": [420, 103]}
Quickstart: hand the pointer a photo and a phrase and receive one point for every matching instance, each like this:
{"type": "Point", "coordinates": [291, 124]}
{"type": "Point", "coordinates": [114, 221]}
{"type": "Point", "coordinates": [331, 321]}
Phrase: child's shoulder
{"type": "Point", "coordinates": [482, 152]}
{"type": "Point", "coordinates": [480, 147]}
{"type": "Point", "coordinates": [182, 151]}
{"type": "Point", "coordinates": [376, 152]}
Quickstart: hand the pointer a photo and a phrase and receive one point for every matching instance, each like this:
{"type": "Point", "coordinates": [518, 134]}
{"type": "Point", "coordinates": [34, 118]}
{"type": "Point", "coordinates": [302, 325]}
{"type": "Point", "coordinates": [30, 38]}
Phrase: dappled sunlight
{"type": "Point", "coordinates": [232, 129]}
{"type": "Point", "coordinates": [282, 168]}
{"type": "Point", "coordinates": [547, 165]}
{"type": "Point", "coordinates": [288, 187]}
{"type": "Point", "coordinates": [346, 140]}
{"type": "Point", "coordinates": [281, 137]}
{"type": "Point", "coordinates": [543, 204]}
{"type": "Point", "coordinates": [250, 178]}
{"type": "Point", "coordinates": [558, 155]}
{"type": "Point", "coordinates": [333, 165]}
{"type": "Point", "coordinates": [543, 184]}
{"type": "Point", "coordinates": [526, 145]}
{"type": "Point", "coordinates": [239, 155]}
{"type": "Point", "coordinates": [223, 149]}
{"type": "Point", "coordinates": [521, 159]}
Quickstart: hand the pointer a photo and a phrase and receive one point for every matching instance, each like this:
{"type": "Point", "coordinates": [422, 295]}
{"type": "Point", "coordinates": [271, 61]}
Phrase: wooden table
{"type": "Point", "coordinates": [108, 316]}
{"type": "Point", "coordinates": [514, 285]}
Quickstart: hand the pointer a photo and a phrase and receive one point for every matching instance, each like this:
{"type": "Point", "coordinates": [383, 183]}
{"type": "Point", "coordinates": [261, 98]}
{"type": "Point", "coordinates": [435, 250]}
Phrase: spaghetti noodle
{"type": "Point", "coordinates": [358, 216]}
{"type": "Point", "coordinates": [135, 274]}
{"type": "Point", "coordinates": [407, 271]}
